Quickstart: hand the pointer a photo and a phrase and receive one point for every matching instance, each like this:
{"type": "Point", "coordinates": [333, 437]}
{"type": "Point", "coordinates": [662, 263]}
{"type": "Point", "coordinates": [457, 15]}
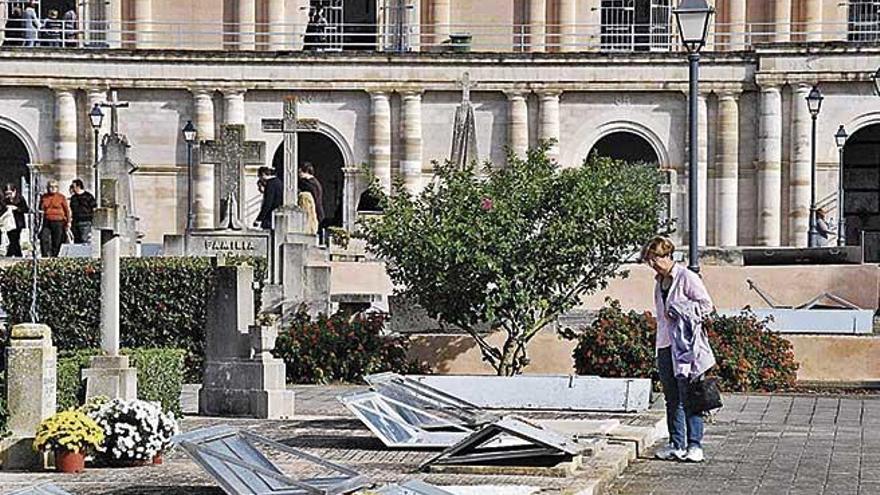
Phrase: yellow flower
{"type": "Point", "coordinates": [68, 430]}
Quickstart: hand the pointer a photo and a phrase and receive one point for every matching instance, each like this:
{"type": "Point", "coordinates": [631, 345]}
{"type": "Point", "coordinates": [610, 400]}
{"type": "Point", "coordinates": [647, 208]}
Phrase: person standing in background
{"type": "Point", "coordinates": [56, 220]}
{"type": "Point", "coordinates": [82, 206]}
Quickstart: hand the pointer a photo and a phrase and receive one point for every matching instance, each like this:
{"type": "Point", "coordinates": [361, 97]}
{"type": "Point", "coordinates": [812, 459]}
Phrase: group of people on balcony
{"type": "Point", "coordinates": [25, 28]}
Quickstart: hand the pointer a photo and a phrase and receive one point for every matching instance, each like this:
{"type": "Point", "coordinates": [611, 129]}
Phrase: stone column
{"type": "Point", "coordinates": [441, 17]}
{"type": "Point", "coordinates": [203, 178]}
{"type": "Point", "coordinates": [737, 24]}
{"type": "Point", "coordinates": [769, 166]}
{"type": "Point", "coordinates": [813, 20]}
{"type": "Point", "coordinates": [411, 162]}
{"type": "Point", "coordinates": [782, 18]}
{"type": "Point", "coordinates": [247, 24]}
{"type": "Point", "coordinates": [537, 25]}
{"type": "Point", "coordinates": [31, 362]}
{"type": "Point", "coordinates": [727, 171]}
{"type": "Point", "coordinates": [799, 180]}
{"type": "Point", "coordinates": [277, 28]}
{"type": "Point", "coordinates": [548, 120]}
{"type": "Point", "coordinates": [114, 23]}
{"type": "Point", "coordinates": [380, 137]}
{"type": "Point", "coordinates": [567, 28]}
{"type": "Point", "coordinates": [65, 136]}
{"type": "Point", "coordinates": [517, 122]}
{"type": "Point", "coordinates": [94, 96]}
{"type": "Point", "coordinates": [233, 106]}
{"type": "Point", "coordinates": [702, 168]}
{"type": "Point", "coordinates": [144, 27]}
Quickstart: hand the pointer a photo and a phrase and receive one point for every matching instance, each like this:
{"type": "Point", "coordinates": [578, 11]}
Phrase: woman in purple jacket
{"type": "Point", "coordinates": [675, 285]}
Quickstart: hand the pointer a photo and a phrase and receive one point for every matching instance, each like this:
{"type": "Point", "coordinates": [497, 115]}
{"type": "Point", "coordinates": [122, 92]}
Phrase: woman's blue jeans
{"type": "Point", "coordinates": [685, 429]}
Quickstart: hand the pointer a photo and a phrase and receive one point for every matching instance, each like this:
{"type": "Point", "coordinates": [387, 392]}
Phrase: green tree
{"type": "Point", "coordinates": [515, 246]}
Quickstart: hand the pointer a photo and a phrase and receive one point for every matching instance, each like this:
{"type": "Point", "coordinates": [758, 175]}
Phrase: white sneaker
{"type": "Point", "coordinates": [694, 454]}
{"type": "Point", "coordinates": [670, 453]}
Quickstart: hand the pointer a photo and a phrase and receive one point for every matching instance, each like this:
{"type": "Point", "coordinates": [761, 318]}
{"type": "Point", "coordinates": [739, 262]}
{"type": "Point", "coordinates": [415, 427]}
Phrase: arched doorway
{"type": "Point", "coordinates": [326, 157]}
{"type": "Point", "coordinates": [626, 146]}
{"type": "Point", "coordinates": [14, 158]}
{"type": "Point", "coordinates": [861, 185]}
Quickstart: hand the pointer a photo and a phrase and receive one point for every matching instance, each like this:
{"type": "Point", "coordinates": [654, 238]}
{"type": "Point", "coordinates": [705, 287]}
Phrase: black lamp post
{"type": "Point", "coordinates": [840, 138]}
{"type": "Point", "coordinates": [96, 117]}
{"type": "Point", "coordinates": [189, 135]}
{"type": "Point", "coordinates": [814, 104]}
{"type": "Point", "coordinates": [692, 17]}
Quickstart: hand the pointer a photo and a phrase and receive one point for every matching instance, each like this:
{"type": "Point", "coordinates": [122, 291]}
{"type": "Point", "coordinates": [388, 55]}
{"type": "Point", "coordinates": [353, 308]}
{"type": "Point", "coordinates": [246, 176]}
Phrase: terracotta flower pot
{"type": "Point", "coordinates": [157, 459]}
{"type": "Point", "coordinates": [70, 462]}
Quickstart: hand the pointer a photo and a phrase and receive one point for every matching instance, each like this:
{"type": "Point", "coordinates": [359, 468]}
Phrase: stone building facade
{"type": "Point", "coordinates": [604, 75]}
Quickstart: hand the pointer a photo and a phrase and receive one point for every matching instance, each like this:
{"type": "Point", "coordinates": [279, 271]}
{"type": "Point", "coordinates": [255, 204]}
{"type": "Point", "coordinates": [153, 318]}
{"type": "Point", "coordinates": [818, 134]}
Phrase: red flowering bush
{"type": "Point", "coordinates": [621, 344]}
{"type": "Point", "coordinates": [341, 349]}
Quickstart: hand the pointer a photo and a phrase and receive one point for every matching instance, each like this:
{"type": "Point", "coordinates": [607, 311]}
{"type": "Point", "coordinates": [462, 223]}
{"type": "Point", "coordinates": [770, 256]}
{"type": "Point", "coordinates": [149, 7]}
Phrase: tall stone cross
{"type": "Point", "coordinates": [289, 125]}
{"type": "Point", "coordinates": [232, 153]}
{"type": "Point", "coordinates": [114, 105]}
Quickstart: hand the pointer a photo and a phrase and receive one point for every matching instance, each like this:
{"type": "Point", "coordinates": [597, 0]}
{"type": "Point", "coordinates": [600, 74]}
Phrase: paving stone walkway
{"type": "Point", "coordinates": [775, 445]}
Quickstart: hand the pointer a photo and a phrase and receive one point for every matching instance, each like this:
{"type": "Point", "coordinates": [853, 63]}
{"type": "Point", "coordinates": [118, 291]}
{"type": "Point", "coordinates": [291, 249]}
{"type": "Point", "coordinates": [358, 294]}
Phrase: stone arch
{"type": "Point", "coordinates": [640, 130]}
{"type": "Point", "coordinates": [331, 155]}
{"type": "Point", "coordinates": [15, 155]}
{"type": "Point", "coordinates": [24, 136]}
{"type": "Point", "coordinates": [861, 185]}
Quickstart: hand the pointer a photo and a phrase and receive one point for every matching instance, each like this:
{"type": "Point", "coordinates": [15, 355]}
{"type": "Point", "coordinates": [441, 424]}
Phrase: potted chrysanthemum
{"type": "Point", "coordinates": [135, 431]}
{"type": "Point", "coordinates": [70, 435]}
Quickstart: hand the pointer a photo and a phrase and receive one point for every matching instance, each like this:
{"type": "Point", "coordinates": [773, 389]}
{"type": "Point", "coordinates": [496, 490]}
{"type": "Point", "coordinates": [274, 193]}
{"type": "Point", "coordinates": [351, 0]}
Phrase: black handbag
{"type": "Point", "coordinates": [703, 395]}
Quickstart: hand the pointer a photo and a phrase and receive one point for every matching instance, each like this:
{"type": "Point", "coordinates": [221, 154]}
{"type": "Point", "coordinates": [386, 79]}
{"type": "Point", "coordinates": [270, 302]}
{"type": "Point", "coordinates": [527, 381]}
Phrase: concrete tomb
{"type": "Point", "coordinates": [241, 377]}
{"type": "Point", "coordinates": [30, 392]}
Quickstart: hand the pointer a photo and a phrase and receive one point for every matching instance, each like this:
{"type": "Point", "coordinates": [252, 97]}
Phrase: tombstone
{"type": "Point", "coordinates": [30, 392]}
{"type": "Point", "coordinates": [110, 374]}
{"type": "Point", "coordinates": [241, 376]}
{"type": "Point", "coordinates": [300, 270]}
{"type": "Point", "coordinates": [232, 153]}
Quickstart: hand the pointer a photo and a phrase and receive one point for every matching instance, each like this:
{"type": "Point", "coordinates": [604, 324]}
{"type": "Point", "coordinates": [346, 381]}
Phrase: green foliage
{"type": "Point", "coordinates": [515, 246]}
{"type": "Point", "coordinates": [162, 301]}
{"type": "Point", "coordinates": [4, 414]}
{"type": "Point", "coordinates": [339, 236]}
{"type": "Point", "coordinates": [160, 376]}
{"type": "Point", "coordinates": [339, 349]}
{"type": "Point", "coordinates": [621, 344]}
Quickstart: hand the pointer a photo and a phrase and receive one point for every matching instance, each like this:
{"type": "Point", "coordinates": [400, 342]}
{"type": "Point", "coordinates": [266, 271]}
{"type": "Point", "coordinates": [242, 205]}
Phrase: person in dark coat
{"type": "Point", "coordinates": [14, 32]}
{"type": "Point", "coordinates": [82, 207]}
{"type": "Point", "coordinates": [52, 30]}
{"type": "Point", "coordinates": [12, 199]}
{"type": "Point", "coordinates": [310, 184]}
{"type": "Point", "coordinates": [273, 196]}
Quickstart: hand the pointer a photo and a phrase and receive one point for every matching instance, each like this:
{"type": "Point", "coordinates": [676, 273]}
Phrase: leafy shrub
{"type": "Point", "coordinates": [336, 348]}
{"type": "Point", "coordinates": [160, 376]}
{"type": "Point", "coordinates": [621, 344]}
{"type": "Point", "coordinates": [162, 302]}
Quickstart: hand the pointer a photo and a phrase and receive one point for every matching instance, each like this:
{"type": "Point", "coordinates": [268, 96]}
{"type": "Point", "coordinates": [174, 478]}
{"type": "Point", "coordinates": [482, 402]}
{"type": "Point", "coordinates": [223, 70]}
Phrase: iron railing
{"type": "Point", "coordinates": [338, 36]}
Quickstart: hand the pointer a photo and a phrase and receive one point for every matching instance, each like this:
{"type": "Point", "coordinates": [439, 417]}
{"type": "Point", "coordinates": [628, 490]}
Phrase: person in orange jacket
{"type": "Point", "coordinates": [56, 220]}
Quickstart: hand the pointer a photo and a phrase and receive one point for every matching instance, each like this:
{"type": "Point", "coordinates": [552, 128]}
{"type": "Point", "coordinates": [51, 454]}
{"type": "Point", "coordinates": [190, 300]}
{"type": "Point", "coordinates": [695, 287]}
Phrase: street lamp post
{"type": "Point", "coordinates": [692, 17]}
{"type": "Point", "coordinates": [840, 138]}
{"type": "Point", "coordinates": [96, 117]}
{"type": "Point", "coordinates": [189, 135]}
{"type": "Point", "coordinates": [814, 104]}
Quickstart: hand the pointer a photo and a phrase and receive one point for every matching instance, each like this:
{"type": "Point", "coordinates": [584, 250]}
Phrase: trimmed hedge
{"type": "Point", "coordinates": [159, 371]}
{"type": "Point", "coordinates": [341, 349]}
{"type": "Point", "coordinates": [162, 302]}
{"type": "Point", "coordinates": [621, 344]}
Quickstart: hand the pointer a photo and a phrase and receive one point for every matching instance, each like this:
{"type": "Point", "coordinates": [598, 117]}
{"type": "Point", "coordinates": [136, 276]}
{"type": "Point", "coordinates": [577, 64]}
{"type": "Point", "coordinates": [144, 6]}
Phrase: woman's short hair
{"type": "Point", "coordinates": [658, 247]}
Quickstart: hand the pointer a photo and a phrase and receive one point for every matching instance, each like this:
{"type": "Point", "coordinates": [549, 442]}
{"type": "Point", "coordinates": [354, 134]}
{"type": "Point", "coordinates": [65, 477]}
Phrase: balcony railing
{"type": "Point", "coordinates": [426, 38]}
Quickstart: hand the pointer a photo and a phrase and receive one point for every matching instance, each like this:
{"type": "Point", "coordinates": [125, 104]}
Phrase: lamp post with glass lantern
{"type": "Point", "coordinates": [693, 17]}
{"type": "Point", "coordinates": [840, 138]}
{"type": "Point", "coordinates": [814, 104]}
{"type": "Point", "coordinates": [96, 117]}
{"type": "Point", "coordinates": [189, 135]}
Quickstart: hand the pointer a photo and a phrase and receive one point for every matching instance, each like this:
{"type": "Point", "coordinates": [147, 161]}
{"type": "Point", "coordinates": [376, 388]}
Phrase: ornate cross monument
{"type": "Point", "coordinates": [232, 153]}
{"type": "Point", "coordinates": [464, 131]}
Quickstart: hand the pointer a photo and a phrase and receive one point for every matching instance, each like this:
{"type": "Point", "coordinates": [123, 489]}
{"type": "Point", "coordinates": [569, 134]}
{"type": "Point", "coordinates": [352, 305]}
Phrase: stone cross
{"type": "Point", "coordinates": [466, 86]}
{"type": "Point", "coordinates": [232, 153]}
{"type": "Point", "coordinates": [289, 125]}
{"type": "Point", "coordinates": [114, 104]}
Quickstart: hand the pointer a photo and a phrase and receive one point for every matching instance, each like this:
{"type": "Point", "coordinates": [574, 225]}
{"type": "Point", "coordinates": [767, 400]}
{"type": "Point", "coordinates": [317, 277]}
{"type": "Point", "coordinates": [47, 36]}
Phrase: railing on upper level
{"type": "Point", "coordinates": [396, 38]}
